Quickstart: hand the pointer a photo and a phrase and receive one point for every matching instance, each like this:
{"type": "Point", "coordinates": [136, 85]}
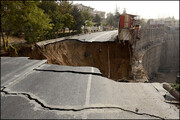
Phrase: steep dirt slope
{"type": "Point", "coordinates": [113, 59]}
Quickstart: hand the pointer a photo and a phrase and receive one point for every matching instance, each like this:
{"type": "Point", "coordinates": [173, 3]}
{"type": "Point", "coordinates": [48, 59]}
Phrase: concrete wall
{"type": "Point", "coordinates": [151, 60]}
{"type": "Point", "coordinates": [170, 51]}
{"type": "Point", "coordinates": [150, 35]}
{"type": "Point", "coordinates": [159, 46]}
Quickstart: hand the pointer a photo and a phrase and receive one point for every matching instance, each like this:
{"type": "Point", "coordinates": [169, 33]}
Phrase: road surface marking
{"type": "Point", "coordinates": [88, 91]}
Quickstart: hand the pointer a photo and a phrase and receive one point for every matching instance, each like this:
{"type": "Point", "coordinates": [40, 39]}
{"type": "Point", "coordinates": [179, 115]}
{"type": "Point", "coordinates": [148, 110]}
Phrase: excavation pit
{"type": "Point", "coordinates": [111, 58]}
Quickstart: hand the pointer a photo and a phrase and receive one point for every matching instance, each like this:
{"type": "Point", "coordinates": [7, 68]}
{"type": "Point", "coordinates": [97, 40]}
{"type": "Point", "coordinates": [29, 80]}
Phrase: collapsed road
{"type": "Point", "coordinates": [53, 91]}
{"type": "Point", "coordinates": [84, 88]}
{"type": "Point", "coordinates": [99, 50]}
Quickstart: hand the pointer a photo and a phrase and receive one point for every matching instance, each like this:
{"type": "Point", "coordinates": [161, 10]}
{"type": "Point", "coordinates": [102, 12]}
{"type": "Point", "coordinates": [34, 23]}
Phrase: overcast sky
{"type": "Point", "coordinates": [146, 9]}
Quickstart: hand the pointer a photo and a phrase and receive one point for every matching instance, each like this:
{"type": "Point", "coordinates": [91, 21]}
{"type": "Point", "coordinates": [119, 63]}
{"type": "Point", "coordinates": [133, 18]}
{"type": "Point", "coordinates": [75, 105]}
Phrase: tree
{"type": "Point", "coordinates": [60, 15]}
{"type": "Point", "coordinates": [124, 11]}
{"type": "Point", "coordinates": [78, 21]}
{"type": "Point", "coordinates": [97, 19]}
{"type": "Point", "coordinates": [49, 7]}
{"type": "Point", "coordinates": [110, 19]}
{"type": "Point", "coordinates": [36, 23]}
{"type": "Point", "coordinates": [68, 21]}
{"type": "Point", "coordinates": [113, 20]}
{"type": "Point", "coordinates": [52, 9]}
{"type": "Point", "coordinates": [65, 7]}
{"type": "Point", "coordinates": [86, 17]}
{"type": "Point", "coordinates": [24, 16]}
{"type": "Point", "coordinates": [116, 17]}
{"type": "Point", "coordinates": [89, 23]}
{"type": "Point", "coordinates": [11, 16]}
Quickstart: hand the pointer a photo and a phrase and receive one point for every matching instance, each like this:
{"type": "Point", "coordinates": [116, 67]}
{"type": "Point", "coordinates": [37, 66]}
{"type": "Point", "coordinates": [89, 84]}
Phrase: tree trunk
{"type": "Point", "coordinates": [3, 41]}
{"type": "Point", "coordinates": [84, 28]}
{"type": "Point", "coordinates": [54, 36]}
{"type": "Point", "coordinates": [7, 37]}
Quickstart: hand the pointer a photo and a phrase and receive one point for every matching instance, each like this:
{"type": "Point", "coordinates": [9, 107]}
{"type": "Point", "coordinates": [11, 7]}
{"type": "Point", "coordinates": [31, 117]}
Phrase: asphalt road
{"type": "Point", "coordinates": [98, 36]}
{"type": "Point", "coordinates": [59, 92]}
{"type": "Point", "coordinates": [16, 67]}
{"type": "Point", "coordinates": [89, 37]}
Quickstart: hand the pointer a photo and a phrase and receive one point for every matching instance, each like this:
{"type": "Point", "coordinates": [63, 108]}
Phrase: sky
{"type": "Point", "coordinates": [146, 9]}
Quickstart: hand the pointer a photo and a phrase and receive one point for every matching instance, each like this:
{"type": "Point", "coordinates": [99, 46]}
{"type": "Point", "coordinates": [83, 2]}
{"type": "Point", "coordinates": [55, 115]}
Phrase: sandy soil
{"type": "Point", "coordinates": [75, 53]}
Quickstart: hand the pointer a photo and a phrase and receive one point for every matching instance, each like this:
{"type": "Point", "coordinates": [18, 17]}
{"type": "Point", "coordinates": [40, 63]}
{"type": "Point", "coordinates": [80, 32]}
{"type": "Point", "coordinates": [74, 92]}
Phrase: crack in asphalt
{"type": "Point", "coordinates": [155, 88]}
{"type": "Point", "coordinates": [73, 109]}
{"type": "Point", "coordinates": [99, 74]}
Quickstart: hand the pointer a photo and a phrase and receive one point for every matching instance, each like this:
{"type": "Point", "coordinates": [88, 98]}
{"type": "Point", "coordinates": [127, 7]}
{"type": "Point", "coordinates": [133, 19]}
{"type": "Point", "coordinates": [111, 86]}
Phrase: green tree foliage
{"type": "Point", "coordinates": [65, 7]}
{"type": "Point", "coordinates": [41, 20]}
{"type": "Point", "coordinates": [24, 17]}
{"type": "Point", "coordinates": [60, 15]}
{"type": "Point", "coordinates": [49, 7]}
{"type": "Point", "coordinates": [36, 23]}
{"type": "Point", "coordinates": [78, 21]}
{"type": "Point", "coordinates": [68, 21]}
{"type": "Point", "coordinates": [89, 23]}
{"type": "Point", "coordinates": [11, 16]}
{"type": "Point", "coordinates": [87, 18]}
{"type": "Point", "coordinates": [52, 9]}
{"type": "Point", "coordinates": [97, 19]}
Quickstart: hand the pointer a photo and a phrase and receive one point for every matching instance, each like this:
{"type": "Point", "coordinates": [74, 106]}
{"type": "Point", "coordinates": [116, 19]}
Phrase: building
{"type": "Point", "coordinates": [91, 10]}
{"type": "Point", "coordinates": [83, 7]}
{"type": "Point", "coordinates": [166, 21]}
{"type": "Point", "coordinates": [100, 13]}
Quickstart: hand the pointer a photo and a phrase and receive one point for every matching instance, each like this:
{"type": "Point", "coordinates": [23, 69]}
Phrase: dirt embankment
{"type": "Point", "coordinates": [112, 59]}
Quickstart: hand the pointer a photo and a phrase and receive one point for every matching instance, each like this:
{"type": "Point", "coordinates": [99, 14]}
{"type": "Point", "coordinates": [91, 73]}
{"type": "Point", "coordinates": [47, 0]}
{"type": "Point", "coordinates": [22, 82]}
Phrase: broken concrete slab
{"type": "Point", "coordinates": [13, 68]}
{"type": "Point", "coordinates": [167, 96]}
{"type": "Point", "coordinates": [18, 107]}
{"type": "Point", "coordinates": [159, 88]}
{"type": "Point", "coordinates": [72, 69]}
{"type": "Point", "coordinates": [66, 92]}
{"type": "Point", "coordinates": [131, 96]}
{"type": "Point", "coordinates": [12, 109]}
{"type": "Point", "coordinates": [54, 88]}
{"type": "Point", "coordinates": [104, 93]}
